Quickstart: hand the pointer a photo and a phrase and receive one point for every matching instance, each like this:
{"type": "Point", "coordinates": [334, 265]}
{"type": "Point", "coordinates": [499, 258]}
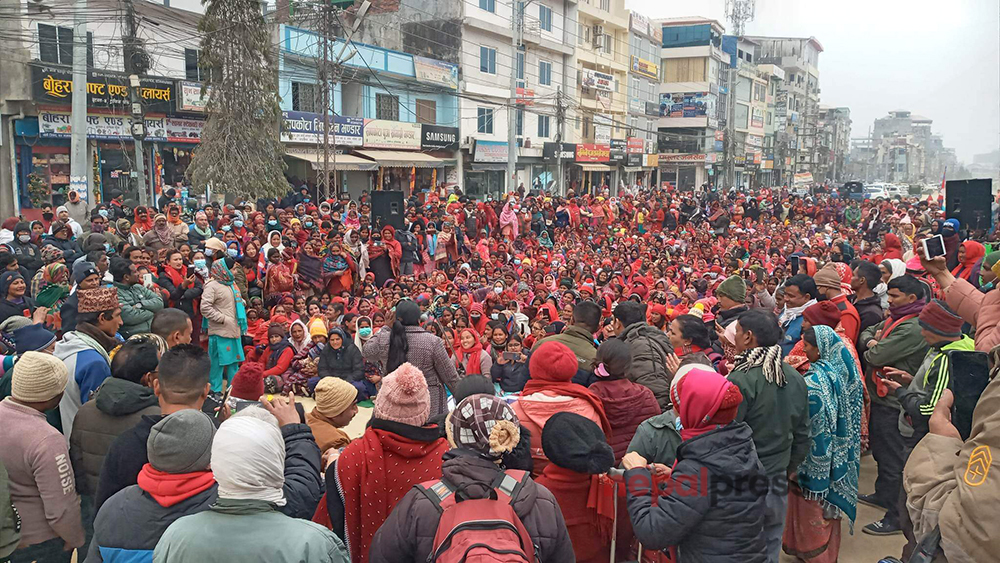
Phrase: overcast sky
{"type": "Point", "coordinates": [937, 59]}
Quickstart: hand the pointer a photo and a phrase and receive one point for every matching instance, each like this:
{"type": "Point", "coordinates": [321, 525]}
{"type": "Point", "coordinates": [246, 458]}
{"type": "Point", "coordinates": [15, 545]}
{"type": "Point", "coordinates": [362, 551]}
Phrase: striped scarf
{"type": "Point", "coordinates": [768, 359]}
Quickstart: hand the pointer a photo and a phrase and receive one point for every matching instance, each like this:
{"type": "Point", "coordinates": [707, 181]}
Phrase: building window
{"type": "Point", "coordinates": [519, 122]}
{"type": "Point", "coordinates": [606, 5]}
{"type": "Point", "coordinates": [520, 65]}
{"type": "Point", "coordinates": [55, 45]}
{"type": "Point", "coordinates": [387, 107]}
{"type": "Point", "coordinates": [543, 126]}
{"type": "Point", "coordinates": [305, 97]}
{"type": "Point", "coordinates": [487, 60]}
{"type": "Point", "coordinates": [484, 120]}
{"type": "Point", "coordinates": [545, 73]}
{"type": "Point", "coordinates": [488, 5]}
{"type": "Point", "coordinates": [192, 71]}
{"type": "Point", "coordinates": [545, 17]}
{"type": "Point", "coordinates": [426, 111]}
{"type": "Point", "coordinates": [586, 127]}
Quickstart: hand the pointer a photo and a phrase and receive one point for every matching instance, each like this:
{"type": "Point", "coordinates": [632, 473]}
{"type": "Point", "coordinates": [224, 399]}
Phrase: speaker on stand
{"type": "Point", "coordinates": [971, 202]}
{"type": "Point", "coordinates": [387, 209]}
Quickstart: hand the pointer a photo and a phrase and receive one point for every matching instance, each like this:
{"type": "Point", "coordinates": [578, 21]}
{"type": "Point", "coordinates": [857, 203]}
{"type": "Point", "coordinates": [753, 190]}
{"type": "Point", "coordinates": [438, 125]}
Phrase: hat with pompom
{"type": "Point", "coordinates": [404, 397]}
{"type": "Point", "coordinates": [485, 424]}
{"type": "Point", "coordinates": [248, 383]}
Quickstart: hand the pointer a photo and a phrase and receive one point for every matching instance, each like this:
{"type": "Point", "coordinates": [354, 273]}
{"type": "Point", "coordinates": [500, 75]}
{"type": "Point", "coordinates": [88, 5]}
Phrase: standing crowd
{"type": "Point", "coordinates": [661, 376]}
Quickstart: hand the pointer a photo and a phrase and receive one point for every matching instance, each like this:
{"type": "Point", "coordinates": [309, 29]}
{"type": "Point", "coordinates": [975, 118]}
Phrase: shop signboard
{"type": "Point", "coordinates": [306, 127]}
{"type": "Point", "coordinates": [755, 140]}
{"type": "Point", "coordinates": [656, 31]}
{"type": "Point", "coordinates": [645, 68]}
{"type": "Point", "coordinates": [593, 153]}
{"type": "Point", "coordinates": [184, 130]}
{"type": "Point", "coordinates": [385, 134]}
{"type": "Point", "coordinates": [767, 165]}
{"type": "Point", "coordinates": [718, 147]}
{"type": "Point", "coordinates": [54, 85]}
{"type": "Point", "coordinates": [597, 80]}
{"type": "Point", "coordinates": [634, 145]}
{"type": "Point", "coordinates": [671, 158]}
{"type": "Point", "coordinates": [639, 23]}
{"type": "Point", "coordinates": [711, 158]}
{"type": "Point", "coordinates": [490, 151]}
{"type": "Point", "coordinates": [617, 150]}
{"type": "Point", "coordinates": [651, 160]}
{"type": "Point", "coordinates": [632, 160]}
{"type": "Point", "coordinates": [757, 117]}
{"type": "Point", "coordinates": [687, 104]}
{"type": "Point", "coordinates": [56, 125]}
{"type": "Point", "coordinates": [602, 128]}
{"type": "Point", "coordinates": [551, 150]}
{"type": "Point", "coordinates": [652, 109]}
{"type": "Point", "coordinates": [438, 138]}
{"type": "Point", "coordinates": [435, 72]}
{"type": "Point", "coordinates": [189, 97]}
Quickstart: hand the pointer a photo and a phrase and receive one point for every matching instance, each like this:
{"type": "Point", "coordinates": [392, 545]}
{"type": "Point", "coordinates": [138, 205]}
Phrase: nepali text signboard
{"type": "Point", "coordinates": [438, 138]}
{"type": "Point", "coordinates": [190, 98]}
{"type": "Point", "coordinates": [57, 125]}
{"type": "Point", "coordinates": [593, 153]}
{"type": "Point", "coordinates": [306, 127]}
{"type": "Point", "coordinates": [435, 72]}
{"type": "Point", "coordinates": [54, 85]}
{"type": "Point", "coordinates": [384, 134]}
{"type": "Point", "coordinates": [617, 150]}
{"type": "Point", "coordinates": [673, 158]}
{"type": "Point", "coordinates": [634, 145]}
{"type": "Point", "coordinates": [490, 151]}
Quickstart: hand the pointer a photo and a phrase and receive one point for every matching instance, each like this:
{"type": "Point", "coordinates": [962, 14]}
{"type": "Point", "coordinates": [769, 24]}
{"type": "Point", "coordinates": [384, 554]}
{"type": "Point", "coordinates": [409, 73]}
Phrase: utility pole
{"type": "Point", "coordinates": [739, 12]}
{"type": "Point", "coordinates": [78, 119]}
{"type": "Point", "coordinates": [136, 65]}
{"type": "Point", "coordinates": [560, 121]}
{"type": "Point", "coordinates": [517, 23]}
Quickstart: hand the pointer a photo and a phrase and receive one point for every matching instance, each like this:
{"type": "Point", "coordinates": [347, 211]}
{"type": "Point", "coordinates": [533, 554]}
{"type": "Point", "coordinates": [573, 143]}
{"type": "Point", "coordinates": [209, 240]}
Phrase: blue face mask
{"type": "Point", "coordinates": [209, 251]}
{"type": "Point", "coordinates": [225, 228]}
{"type": "Point", "coordinates": [103, 213]}
{"type": "Point", "coordinates": [365, 331]}
{"type": "Point", "coordinates": [305, 200]}
{"type": "Point", "coordinates": [272, 223]}
{"type": "Point", "coordinates": [309, 224]}
{"type": "Point", "coordinates": [238, 224]}
{"type": "Point", "coordinates": [232, 252]}
{"type": "Point", "coordinates": [200, 263]}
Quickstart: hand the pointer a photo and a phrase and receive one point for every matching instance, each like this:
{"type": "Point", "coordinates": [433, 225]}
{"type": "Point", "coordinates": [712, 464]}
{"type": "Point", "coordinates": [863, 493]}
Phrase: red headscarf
{"type": "Point", "coordinates": [704, 401]}
{"type": "Point", "coordinates": [473, 353]}
{"type": "Point", "coordinates": [974, 253]}
{"type": "Point", "coordinates": [560, 381]}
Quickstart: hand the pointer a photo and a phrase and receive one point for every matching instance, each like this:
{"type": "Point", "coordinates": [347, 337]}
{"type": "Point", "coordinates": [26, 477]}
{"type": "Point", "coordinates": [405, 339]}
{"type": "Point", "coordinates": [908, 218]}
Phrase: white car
{"type": "Point", "coordinates": [875, 191]}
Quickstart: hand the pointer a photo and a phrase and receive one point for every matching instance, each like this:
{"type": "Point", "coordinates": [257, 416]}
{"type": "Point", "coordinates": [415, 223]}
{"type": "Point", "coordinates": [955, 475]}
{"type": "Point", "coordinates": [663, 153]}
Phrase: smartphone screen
{"type": "Point", "coordinates": [795, 265]}
{"type": "Point", "coordinates": [934, 246]}
{"type": "Point", "coordinates": [511, 356]}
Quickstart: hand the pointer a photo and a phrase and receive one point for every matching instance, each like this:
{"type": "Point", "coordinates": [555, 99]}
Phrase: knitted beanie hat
{"type": "Point", "coordinates": [938, 318]}
{"type": "Point", "coordinates": [248, 383]}
{"type": "Point", "coordinates": [317, 328]}
{"type": "Point", "coordinates": [38, 377]}
{"type": "Point", "coordinates": [553, 361]}
{"type": "Point", "coordinates": [576, 443]}
{"type": "Point", "coordinates": [730, 405]}
{"type": "Point", "coordinates": [734, 288]}
{"type": "Point", "coordinates": [181, 442]}
{"type": "Point", "coordinates": [823, 313]}
{"type": "Point", "coordinates": [334, 396]}
{"type": "Point", "coordinates": [404, 397]}
{"type": "Point", "coordinates": [485, 424]}
{"type": "Point", "coordinates": [827, 277]}
{"type": "Point", "coordinates": [276, 330]}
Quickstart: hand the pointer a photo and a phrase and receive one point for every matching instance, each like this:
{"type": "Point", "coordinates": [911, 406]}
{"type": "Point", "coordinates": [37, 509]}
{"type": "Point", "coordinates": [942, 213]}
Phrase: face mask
{"type": "Point", "coordinates": [309, 224]}
{"type": "Point", "coordinates": [232, 252]}
{"type": "Point", "coordinates": [103, 213]}
{"type": "Point", "coordinates": [209, 252]}
{"type": "Point", "coordinates": [365, 332]}
{"type": "Point", "coordinates": [272, 223]}
{"type": "Point", "coordinates": [225, 229]}
{"type": "Point", "coordinates": [494, 316]}
{"type": "Point", "coordinates": [24, 238]}
{"type": "Point", "coordinates": [47, 216]}
{"type": "Point", "coordinates": [306, 200]}
{"type": "Point", "coordinates": [498, 289]}
{"type": "Point", "coordinates": [238, 224]}
{"type": "Point", "coordinates": [200, 263]}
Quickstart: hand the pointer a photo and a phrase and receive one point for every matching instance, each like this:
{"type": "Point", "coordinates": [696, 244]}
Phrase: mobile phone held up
{"type": "Point", "coordinates": [933, 247]}
{"type": "Point", "coordinates": [511, 356]}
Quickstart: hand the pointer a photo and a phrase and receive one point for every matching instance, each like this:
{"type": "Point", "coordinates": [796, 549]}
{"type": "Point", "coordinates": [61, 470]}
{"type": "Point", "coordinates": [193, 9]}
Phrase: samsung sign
{"type": "Point", "coordinates": [437, 138]}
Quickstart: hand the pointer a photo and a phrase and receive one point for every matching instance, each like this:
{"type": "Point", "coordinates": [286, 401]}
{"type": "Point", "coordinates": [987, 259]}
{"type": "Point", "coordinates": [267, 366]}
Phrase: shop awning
{"type": "Point", "coordinates": [594, 167]}
{"type": "Point", "coordinates": [401, 159]}
{"type": "Point", "coordinates": [338, 162]}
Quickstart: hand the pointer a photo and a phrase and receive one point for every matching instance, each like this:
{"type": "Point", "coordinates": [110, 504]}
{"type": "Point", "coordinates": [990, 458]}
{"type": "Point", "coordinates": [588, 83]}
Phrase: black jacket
{"type": "Point", "coordinates": [650, 347]}
{"type": "Point", "coordinates": [303, 481]}
{"type": "Point", "coordinates": [870, 311]}
{"type": "Point", "coordinates": [511, 376]}
{"type": "Point", "coordinates": [181, 297]}
{"type": "Point", "coordinates": [10, 309]}
{"type": "Point", "coordinates": [346, 363]}
{"type": "Point", "coordinates": [28, 256]}
{"type": "Point", "coordinates": [70, 249]}
{"type": "Point", "coordinates": [719, 521]}
{"type": "Point", "coordinates": [408, 242]}
{"type": "Point", "coordinates": [68, 312]}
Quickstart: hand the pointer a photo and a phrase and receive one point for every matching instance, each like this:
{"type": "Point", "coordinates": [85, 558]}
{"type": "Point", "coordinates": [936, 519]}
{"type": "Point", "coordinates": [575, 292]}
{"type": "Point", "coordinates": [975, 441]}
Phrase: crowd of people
{"type": "Point", "coordinates": [660, 375]}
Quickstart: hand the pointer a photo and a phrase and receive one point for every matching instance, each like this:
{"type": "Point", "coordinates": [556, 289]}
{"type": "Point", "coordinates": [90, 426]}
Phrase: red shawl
{"type": "Point", "coordinates": [587, 504]}
{"type": "Point", "coordinates": [569, 389]}
{"type": "Point", "coordinates": [370, 492]}
{"type": "Point", "coordinates": [474, 364]}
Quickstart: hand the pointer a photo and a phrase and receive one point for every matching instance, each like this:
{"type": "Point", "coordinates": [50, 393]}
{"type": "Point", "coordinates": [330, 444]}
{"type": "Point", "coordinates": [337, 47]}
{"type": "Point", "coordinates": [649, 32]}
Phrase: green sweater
{"type": "Point", "coordinates": [903, 349]}
{"type": "Point", "coordinates": [656, 439]}
{"type": "Point", "coordinates": [778, 416]}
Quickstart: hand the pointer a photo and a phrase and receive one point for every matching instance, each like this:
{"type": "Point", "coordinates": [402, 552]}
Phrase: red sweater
{"type": "Point", "coordinates": [627, 404]}
{"type": "Point", "coordinates": [849, 317]}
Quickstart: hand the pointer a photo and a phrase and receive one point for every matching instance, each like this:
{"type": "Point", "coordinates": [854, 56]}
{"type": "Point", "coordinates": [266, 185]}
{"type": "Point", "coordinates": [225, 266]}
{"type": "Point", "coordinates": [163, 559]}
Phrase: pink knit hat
{"type": "Point", "coordinates": [404, 397]}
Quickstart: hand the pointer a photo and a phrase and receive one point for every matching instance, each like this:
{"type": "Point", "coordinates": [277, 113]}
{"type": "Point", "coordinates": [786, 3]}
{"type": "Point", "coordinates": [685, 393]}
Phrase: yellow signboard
{"type": "Point", "coordinates": [645, 68]}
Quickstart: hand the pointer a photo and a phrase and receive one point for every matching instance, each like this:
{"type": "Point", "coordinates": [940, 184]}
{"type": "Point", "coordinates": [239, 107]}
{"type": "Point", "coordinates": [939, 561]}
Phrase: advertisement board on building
{"type": "Point", "coordinates": [718, 146]}
{"type": "Point", "coordinates": [597, 80]}
{"type": "Point", "coordinates": [671, 158]}
{"type": "Point", "coordinates": [551, 150]}
{"type": "Point", "coordinates": [645, 68]}
{"type": "Point", "coordinates": [385, 134]}
{"type": "Point", "coordinates": [802, 178]}
{"type": "Point", "coordinates": [602, 128]}
{"type": "Point", "coordinates": [639, 23]}
{"type": "Point", "coordinates": [632, 160]}
{"type": "Point", "coordinates": [634, 145]}
{"type": "Point", "coordinates": [56, 125]}
{"type": "Point", "coordinates": [105, 89]}
{"type": "Point", "coordinates": [650, 160]}
{"type": "Point", "coordinates": [767, 165]}
{"type": "Point", "coordinates": [438, 138]}
{"type": "Point", "coordinates": [687, 104]}
{"type": "Point", "coordinates": [755, 140]}
{"type": "Point", "coordinates": [652, 109]}
{"type": "Point", "coordinates": [435, 72]}
{"type": "Point", "coordinates": [306, 127]}
{"type": "Point", "coordinates": [593, 153]}
{"type": "Point", "coordinates": [617, 149]}
{"type": "Point", "coordinates": [757, 117]}
{"type": "Point", "coordinates": [184, 130]}
{"type": "Point", "coordinates": [490, 151]}
{"type": "Point", "coordinates": [190, 98]}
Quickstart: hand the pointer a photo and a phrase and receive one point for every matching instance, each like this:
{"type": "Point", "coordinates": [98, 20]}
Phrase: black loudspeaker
{"type": "Point", "coordinates": [970, 201]}
{"type": "Point", "coordinates": [387, 209]}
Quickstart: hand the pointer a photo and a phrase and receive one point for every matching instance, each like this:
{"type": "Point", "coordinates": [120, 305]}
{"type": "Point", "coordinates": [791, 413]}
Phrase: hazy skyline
{"type": "Point", "coordinates": [938, 60]}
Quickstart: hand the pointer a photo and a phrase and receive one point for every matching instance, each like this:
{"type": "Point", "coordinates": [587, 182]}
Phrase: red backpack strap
{"type": "Point", "coordinates": [508, 484]}
{"type": "Point", "coordinates": [439, 492]}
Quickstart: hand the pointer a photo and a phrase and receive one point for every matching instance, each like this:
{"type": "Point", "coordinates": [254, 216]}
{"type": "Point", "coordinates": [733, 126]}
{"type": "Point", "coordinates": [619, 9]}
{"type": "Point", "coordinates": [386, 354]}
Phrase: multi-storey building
{"type": "Point", "coordinates": [645, 44]}
{"type": "Point", "coordinates": [774, 127]}
{"type": "Point", "coordinates": [833, 142]}
{"type": "Point", "coordinates": [799, 93]}
{"type": "Point", "coordinates": [477, 35]}
{"type": "Point", "coordinates": [693, 111]}
{"type": "Point", "coordinates": [905, 150]}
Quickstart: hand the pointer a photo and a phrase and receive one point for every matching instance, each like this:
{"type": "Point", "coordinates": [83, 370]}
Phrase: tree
{"type": "Point", "coordinates": [240, 151]}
